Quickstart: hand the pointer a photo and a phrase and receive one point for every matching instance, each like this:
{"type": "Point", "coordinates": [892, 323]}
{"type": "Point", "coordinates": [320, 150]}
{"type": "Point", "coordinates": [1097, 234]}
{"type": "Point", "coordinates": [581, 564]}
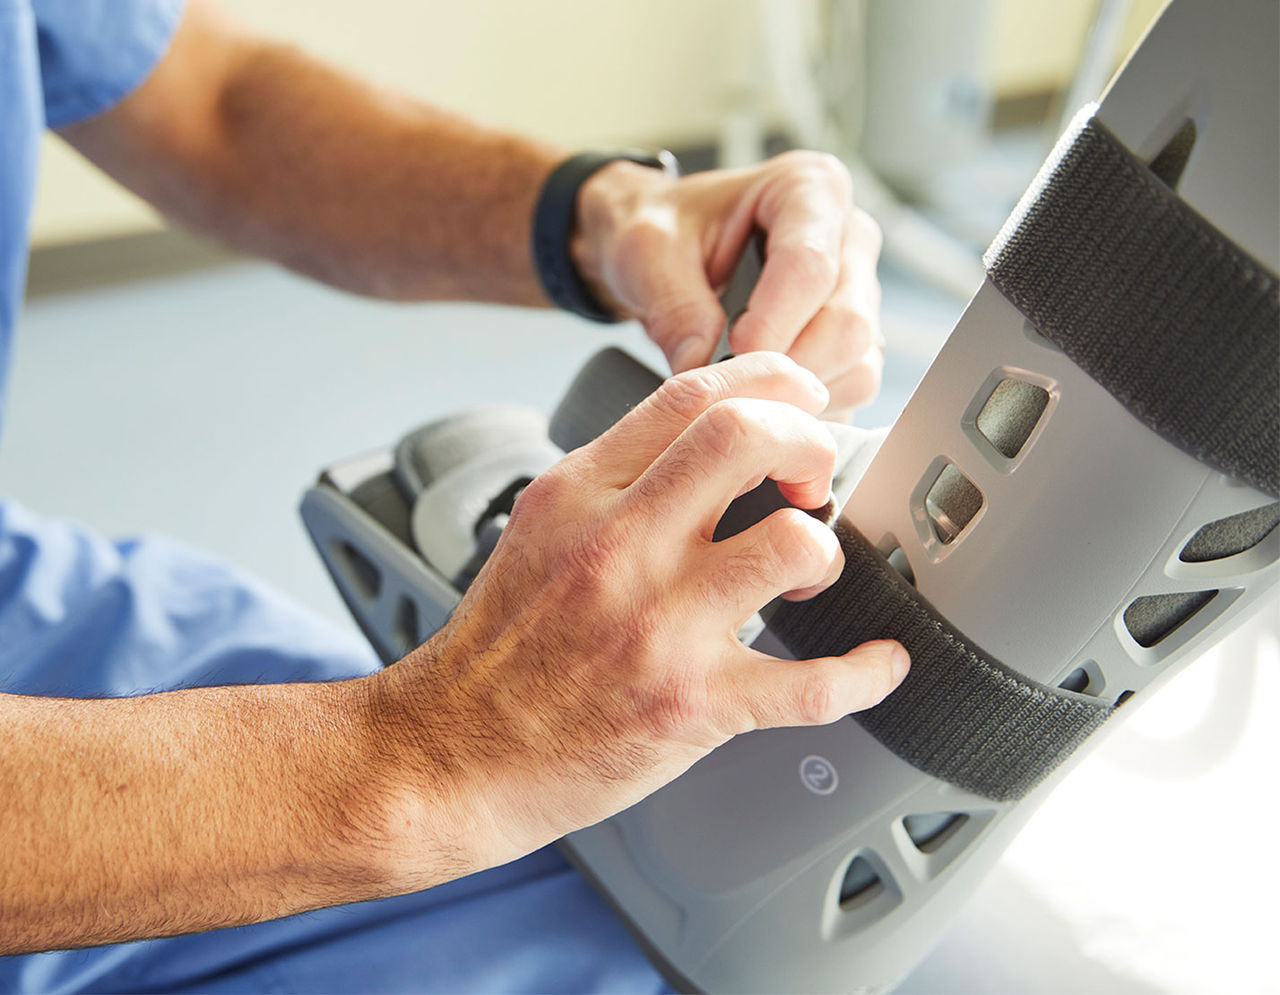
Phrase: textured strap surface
{"type": "Point", "coordinates": [1174, 319]}
{"type": "Point", "coordinates": [959, 715]}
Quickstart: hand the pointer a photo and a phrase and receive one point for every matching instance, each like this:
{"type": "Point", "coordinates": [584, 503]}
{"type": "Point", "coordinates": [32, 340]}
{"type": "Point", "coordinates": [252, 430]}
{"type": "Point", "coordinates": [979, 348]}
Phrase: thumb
{"type": "Point", "coordinates": [679, 310]}
{"type": "Point", "coordinates": [814, 692]}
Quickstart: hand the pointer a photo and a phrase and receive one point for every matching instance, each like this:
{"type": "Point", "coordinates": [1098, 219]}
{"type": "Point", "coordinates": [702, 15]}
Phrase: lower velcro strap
{"type": "Point", "coordinates": [959, 715]}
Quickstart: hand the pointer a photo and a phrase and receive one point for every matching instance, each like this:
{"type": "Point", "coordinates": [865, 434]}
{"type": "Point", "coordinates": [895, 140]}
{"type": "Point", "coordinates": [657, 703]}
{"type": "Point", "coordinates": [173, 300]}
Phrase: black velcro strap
{"type": "Point", "coordinates": [1175, 320]}
{"type": "Point", "coordinates": [960, 715]}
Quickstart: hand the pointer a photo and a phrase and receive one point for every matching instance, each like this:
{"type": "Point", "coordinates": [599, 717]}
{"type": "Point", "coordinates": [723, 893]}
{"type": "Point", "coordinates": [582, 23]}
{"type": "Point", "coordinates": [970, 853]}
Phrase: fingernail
{"type": "Point", "coordinates": [899, 663]}
{"type": "Point", "coordinates": [688, 354]}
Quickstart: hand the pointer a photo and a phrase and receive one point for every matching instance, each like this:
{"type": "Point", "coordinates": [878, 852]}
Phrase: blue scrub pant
{"type": "Point", "coordinates": [80, 616]}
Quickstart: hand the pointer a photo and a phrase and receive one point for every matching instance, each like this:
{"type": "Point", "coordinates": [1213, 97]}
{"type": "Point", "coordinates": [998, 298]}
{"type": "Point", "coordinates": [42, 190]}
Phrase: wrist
{"type": "Point", "coordinates": [428, 823]}
{"type": "Point", "coordinates": [571, 268]}
{"type": "Point", "coordinates": [605, 201]}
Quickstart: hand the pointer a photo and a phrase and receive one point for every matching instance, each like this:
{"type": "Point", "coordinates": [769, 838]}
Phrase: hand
{"type": "Point", "coordinates": [659, 250]}
{"type": "Point", "coordinates": [594, 659]}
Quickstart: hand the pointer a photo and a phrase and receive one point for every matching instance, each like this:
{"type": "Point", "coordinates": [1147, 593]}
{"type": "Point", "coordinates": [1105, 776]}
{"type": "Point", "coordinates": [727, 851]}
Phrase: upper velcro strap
{"type": "Point", "coordinates": [959, 715]}
{"type": "Point", "coordinates": [1175, 320]}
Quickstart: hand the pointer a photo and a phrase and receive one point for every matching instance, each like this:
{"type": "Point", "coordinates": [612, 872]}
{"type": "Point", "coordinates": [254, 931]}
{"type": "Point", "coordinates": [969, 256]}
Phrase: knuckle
{"type": "Point", "coordinates": [540, 496]}
{"type": "Point", "coordinates": [847, 336]}
{"type": "Point", "coordinates": [819, 699]}
{"type": "Point", "coordinates": [795, 161]}
{"type": "Point", "coordinates": [879, 682]}
{"type": "Point", "coordinates": [829, 452]}
{"type": "Point", "coordinates": [822, 165]}
{"type": "Point", "coordinates": [831, 169]}
{"type": "Point", "coordinates": [840, 326]}
{"type": "Point", "coordinates": [794, 542]}
{"type": "Point", "coordinates": [643, 239]}
{"type": "Point", "coordinates": [673, 707]}
{"type": "Point", "coordinates": [866, 230]}
{"type": "Point", "coordinates": [812, 262]}
{"type": "Point", "coordinates": [745, 570]}
{"type": "Point", "coordinates": [590, 572]}
{"type": "Point", "coordinates": [676, 471]}
{"type": "Point", "coordinates": [858, 332]}
{"type": "Point", "coordinates": [859, 386]}
{"type": "Point", "coordinates": [727, 425]}
{"type": "Point", "coordinates": [595, 549]}
{"type": "Point", "coordinates": [689, 394]}
{"type": "Point", "coordinates": [771, 364]}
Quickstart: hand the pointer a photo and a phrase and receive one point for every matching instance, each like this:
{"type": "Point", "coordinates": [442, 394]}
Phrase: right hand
{"type": "Point", "coordinates": [595, 659]}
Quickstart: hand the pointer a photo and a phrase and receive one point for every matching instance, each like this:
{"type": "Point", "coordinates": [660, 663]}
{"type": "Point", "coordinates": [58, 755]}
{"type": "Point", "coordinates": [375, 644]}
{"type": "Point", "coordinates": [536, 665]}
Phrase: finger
{"type": "Point", "coordinates": [857, 387]}
{"type": "Point", "coordinates": [630, 446]}
{"type": "Point", "coordinates": [835, 341]}
{"type": "Point", "coordinates": [767, 692]}
{"type": "Point", "coordinates": [728, 450]}
{"type": "Point", "coordinates": [848, 324]}
{"type": "Point", "coordinates": [804, 221]}
{"type": "Point", "coordinates": [790, 553]}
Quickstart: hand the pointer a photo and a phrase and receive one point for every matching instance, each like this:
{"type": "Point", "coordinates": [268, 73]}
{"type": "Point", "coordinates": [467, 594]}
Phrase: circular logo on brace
{"type": "Point", "coordinates": [818, 774]}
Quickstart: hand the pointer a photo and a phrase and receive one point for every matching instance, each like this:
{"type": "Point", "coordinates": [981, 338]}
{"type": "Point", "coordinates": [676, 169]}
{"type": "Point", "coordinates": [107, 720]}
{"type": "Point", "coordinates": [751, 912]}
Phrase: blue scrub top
{"type": "Point", "coordinates": [60, 61]}
{"type": "Point", "coordinates": [84, 616]}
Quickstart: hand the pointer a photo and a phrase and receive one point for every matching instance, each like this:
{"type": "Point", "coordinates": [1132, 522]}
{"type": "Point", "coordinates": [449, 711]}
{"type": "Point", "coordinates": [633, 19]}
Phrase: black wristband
{"type": "Point", "coordinates": [553, 223]}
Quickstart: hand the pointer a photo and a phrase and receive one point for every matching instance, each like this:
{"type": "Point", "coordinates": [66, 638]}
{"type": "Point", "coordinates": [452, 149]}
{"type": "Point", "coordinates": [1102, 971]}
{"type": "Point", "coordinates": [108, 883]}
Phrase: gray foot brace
{"type": "Point", "coordinates": [1079, 498]}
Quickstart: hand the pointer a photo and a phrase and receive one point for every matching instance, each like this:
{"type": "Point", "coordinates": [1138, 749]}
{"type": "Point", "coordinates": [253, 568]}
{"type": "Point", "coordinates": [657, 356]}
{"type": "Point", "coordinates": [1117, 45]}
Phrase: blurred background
{"type": "Point", "coordinates": [160, 384]}
{"type": "Point", "coordinates": [913, 84]}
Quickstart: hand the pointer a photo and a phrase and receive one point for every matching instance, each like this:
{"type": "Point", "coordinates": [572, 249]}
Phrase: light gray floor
{"type": "Point", "coordinates": [201, 405]}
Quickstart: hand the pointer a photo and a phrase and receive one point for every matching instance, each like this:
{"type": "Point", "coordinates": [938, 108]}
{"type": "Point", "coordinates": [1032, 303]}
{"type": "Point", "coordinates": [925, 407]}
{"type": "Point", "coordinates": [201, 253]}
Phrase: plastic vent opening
{"type": "Point", "coordinates": [929, 832]}
{"type": "Point", "coordinates": [359, 569]}
{"type": "Point", "coordinates": [406, 628]}
{"type": "Point", "coordinates": [1077, 680]}
{"type": "Point", "coordinates": [861, 884]}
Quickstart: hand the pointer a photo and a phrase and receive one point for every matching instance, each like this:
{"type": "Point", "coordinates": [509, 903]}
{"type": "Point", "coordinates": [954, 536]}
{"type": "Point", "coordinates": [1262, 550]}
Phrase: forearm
{"type": "Point", "coordinates": [189, 810]}
{"type": "Point", "coordinates": [276, 154]}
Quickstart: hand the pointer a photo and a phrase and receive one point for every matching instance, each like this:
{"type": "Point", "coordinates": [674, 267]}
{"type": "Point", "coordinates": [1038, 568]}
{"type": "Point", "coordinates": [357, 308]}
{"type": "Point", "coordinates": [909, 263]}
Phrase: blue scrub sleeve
{"type": "Point", "coordinates": [94, 53]}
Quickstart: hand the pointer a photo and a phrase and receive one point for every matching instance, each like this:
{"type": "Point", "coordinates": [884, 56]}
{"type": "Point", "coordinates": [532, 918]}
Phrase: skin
{"type": "Point", "coordinates": [188, 810]}
{"type": "Point", "coordinates": [661, 250]}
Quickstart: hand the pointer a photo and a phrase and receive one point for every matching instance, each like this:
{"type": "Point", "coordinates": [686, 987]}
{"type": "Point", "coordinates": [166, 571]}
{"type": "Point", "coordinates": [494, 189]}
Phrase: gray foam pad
{"type": "Point", "coordinates": [429, 452]}
{"type": "Point", "coordinates": [1011, 414]}
{"type": "Point", "coordinates": [1150, 619]}
{"type": "Point", "coordinates": [1232, 535]}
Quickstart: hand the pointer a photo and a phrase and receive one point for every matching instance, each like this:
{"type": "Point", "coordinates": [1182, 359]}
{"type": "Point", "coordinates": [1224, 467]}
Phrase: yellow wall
{"type": "Point", "coordinates": [577, 72]}
{"type": "Point", "coordinates": [1034, 44]}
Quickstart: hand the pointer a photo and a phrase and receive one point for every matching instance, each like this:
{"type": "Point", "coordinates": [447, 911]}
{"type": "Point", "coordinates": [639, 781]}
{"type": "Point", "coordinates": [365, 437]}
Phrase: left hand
{"type": "Point", "coordinates": [659, 250]}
